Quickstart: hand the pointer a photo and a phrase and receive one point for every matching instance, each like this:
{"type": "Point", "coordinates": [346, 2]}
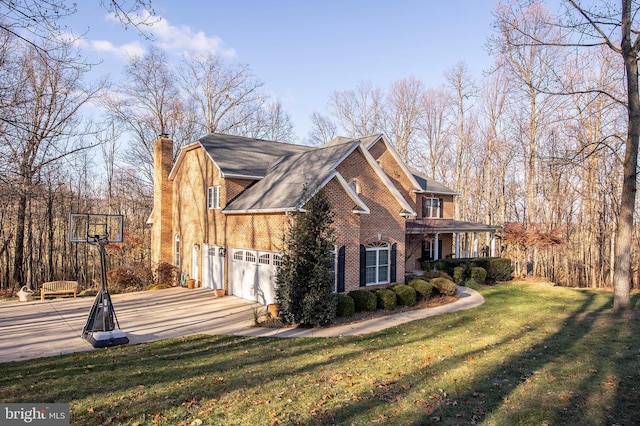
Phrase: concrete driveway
{"type": "Point", "coordinates": [53, 327]}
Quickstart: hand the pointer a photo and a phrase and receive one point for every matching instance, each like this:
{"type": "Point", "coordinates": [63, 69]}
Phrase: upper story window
{"type": "Point", "coordinates": [213, 197]}
{"type": "Point", "coordinates": [432, 207]}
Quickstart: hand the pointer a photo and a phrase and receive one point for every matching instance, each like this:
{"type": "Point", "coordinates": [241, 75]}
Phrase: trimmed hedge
{"type": "Point", "coordinates": [498, 268]}
{"type": "Point", "coordinates": [406, 294]}
{"type": "Point", "coordinates": [346, 306]}
{"type": "Point", "coordinates": [387, 299]}
{"type": "Point", "coordinates": [364, 300]}
{"type": "Point", "coordinates": [444, 286]}
{"type": "Point", "coordinates": [423, 288]}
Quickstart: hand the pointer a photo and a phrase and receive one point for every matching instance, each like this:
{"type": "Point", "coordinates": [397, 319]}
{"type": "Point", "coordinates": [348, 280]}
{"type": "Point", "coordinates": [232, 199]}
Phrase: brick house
{"type": "Point", "coordinates": [222, 209]}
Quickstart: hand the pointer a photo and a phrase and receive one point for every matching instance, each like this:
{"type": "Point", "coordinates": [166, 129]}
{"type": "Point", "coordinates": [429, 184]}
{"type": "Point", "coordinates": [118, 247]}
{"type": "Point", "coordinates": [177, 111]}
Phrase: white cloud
{"type": "Point", "coordinates": [171, 38]}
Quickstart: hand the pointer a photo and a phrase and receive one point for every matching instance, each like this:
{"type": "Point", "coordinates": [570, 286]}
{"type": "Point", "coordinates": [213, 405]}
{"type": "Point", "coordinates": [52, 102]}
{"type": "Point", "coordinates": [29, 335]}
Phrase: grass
{"type": "Point", "coordinates": [531, 355]}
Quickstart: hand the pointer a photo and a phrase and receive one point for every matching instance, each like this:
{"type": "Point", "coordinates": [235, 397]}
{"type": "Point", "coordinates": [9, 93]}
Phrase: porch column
{"type": "Point", "coordinates": [493, 244]}
{"type": "Point", "coordinates": [457, 245]}
{"type": "Point", "coordinates": [475, 244]}
{"type": "Point", "coordinates": [436, 248]}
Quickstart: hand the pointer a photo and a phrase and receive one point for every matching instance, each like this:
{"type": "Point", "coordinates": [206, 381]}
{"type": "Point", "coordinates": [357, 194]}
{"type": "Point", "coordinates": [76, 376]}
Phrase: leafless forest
{"type": "Point", "coordinates": [537, 144]}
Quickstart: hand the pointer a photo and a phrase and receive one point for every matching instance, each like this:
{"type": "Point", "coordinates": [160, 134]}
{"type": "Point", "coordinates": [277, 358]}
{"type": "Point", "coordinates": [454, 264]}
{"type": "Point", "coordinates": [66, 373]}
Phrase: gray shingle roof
{"type": "Point", "coordinates": [283, 185]}
{"type": "Point", "coordinates": [237, 156]}
{"type": "Point", "coordinates": [429, 185]}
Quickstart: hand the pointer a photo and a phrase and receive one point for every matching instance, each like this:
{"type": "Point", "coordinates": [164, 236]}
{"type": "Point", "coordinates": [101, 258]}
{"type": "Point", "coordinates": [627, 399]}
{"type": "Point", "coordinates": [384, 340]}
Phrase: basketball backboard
{"type": "Point", "coordinates": [91, 228]}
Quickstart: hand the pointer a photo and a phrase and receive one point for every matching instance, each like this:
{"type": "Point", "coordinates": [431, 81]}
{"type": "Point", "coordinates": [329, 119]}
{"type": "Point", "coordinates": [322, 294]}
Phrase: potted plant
{"type": "Point", "coordinates": [191, 283]}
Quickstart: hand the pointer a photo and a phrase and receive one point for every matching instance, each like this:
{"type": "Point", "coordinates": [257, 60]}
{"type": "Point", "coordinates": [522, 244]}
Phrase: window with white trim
{"type": "Point", "coordinates": [377, 263]}
{"type": "Point", "coordinates": [250, 257]}
{"type": "Point", "coordinates": [176, 250]}
{"type": "Point", "coordinates": [264, 259]}
{"type": "Point", "coordinates": [277, 260]}
{"type": "Point", "coordinates": [432, 207]}
{"type": "Point", "coordinates": [213, 197]}
{"type": "Point", "coordinates": [238, 255]}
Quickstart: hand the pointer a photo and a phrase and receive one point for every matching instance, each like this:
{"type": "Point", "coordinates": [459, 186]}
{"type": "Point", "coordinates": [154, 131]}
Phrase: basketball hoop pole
{"type": "Point", "coordinates": [102, 328]}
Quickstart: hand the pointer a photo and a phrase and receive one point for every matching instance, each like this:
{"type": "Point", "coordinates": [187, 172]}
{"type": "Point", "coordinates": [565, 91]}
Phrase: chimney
{"type": "Point", "coordinates": [162, 227]}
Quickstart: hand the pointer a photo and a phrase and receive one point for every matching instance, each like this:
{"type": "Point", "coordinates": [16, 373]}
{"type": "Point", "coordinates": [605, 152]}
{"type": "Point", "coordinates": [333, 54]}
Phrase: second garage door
{"type": "Point", "coordinates": [252, 274]}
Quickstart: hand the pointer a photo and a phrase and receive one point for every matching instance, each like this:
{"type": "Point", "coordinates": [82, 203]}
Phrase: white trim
{"type": "Point", "coordinates": [406, 210]}
{"type": "Point", "coordinates": [353, 195]}
{"type": "Point", "coordinates": [394, 154]}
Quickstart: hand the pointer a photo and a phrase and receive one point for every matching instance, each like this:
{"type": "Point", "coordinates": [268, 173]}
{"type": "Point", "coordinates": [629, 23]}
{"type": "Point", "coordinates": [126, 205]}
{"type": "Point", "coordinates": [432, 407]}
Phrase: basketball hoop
{"type": "Point", "coordinates": [102, 328]}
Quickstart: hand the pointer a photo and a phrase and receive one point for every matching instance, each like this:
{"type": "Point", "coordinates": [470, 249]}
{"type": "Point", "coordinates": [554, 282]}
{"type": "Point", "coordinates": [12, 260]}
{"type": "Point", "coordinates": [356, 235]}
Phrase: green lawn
{"type": "Point", "coordinates": [531, 355]}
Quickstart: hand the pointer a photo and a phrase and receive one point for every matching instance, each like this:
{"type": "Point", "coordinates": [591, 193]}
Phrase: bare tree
{"type": "Point", "coordinates": [360, 111]}
{"type": "Point", "coordinates": [40, 23]}
{"type": "Point", "coordinates": [322, 130]}
{"type": "Point", "coordinates": [434, 131]}
{"type": "Point", "coordinates": [148, 104]}
{"type": "Point", "coordinates": [404, 113]}
{"type": "Point", "coordinates": [226, 96]}
{"type": "Point", "coordinates": [613, 26]}
{"type": "Point", "coordinates": [463, 92]}
{"type": "Point", "coordinates": [42, 125]}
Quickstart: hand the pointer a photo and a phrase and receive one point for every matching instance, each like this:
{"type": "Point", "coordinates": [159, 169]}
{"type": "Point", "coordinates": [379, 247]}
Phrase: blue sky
{"type": "Point", "coordinates": [304, 50]}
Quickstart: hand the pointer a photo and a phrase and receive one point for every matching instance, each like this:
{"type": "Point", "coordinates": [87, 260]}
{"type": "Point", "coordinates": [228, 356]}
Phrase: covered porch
{"type": "Point", "coordinates": [434, 239]}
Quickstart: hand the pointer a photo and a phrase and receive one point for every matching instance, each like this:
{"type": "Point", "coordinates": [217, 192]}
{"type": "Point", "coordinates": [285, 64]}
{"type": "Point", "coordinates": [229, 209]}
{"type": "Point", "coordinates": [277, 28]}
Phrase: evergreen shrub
{"type": "Point", "coordinates": [444, 286]}
{"type": "Point", "coordinates": [364, 300]}
{"type": "Point", "coordinates": [346, 306]}
{"type": "Point", "coordinates": [423, 288]}
{"type": "Point", "coordinates": [406, 295]}
{"type": "Point", "coordinates": [387, 299]}
{"type": "Point", "coordinates": [478, 274]}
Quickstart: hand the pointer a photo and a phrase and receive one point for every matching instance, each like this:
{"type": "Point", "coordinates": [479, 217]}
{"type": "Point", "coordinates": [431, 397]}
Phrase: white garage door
{"type": "Point", "coordinates": [252, 274]}
{"type": "Point", "coordinates": [213, 266]}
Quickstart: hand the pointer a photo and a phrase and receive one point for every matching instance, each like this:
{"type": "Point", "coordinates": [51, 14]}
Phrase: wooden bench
{"type": "Point", "coordinates": [59, 287]}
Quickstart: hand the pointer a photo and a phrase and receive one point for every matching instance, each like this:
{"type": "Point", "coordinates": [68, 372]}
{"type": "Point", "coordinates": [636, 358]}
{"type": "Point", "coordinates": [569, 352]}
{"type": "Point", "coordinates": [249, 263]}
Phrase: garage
{"type": "Point", "coordinates": [252, 274]}
{"type": "Point", "coordinates": [213, 266]}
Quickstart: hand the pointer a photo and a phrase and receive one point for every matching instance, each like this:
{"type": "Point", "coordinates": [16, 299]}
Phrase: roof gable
{"type": "Point", "coordinates": [240, 157]}
{"type": "Point", "coordinates": [283, 187]}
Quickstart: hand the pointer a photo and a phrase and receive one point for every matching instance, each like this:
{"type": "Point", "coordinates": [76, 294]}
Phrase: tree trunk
{"type": "Point", "coordinates": [624, 232]}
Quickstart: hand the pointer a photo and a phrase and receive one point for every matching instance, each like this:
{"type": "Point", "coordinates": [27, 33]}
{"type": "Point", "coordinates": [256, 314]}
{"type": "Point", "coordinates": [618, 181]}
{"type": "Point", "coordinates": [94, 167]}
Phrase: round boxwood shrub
{"type": "Point", "coordinates": [406, 295]}
{"type": "Point", "coordinates": [346, 306]}
{"type": "Point", "coordinates": [478, 274]}
{"type": "Point", "coordinates": [386, 299]}
{"type": "Point", "coordinates": [423, 288]}
{"type": "Point", "coordinates": [364, 300]}
{"type": "Point", "coordinates": [444, 286]}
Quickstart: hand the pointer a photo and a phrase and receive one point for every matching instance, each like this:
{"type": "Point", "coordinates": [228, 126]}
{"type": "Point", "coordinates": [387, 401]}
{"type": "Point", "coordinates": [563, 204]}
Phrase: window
{"type": "Point", "coordinates": [277, 260]}
{"type": "Point", "coordinates": [250, 257]}
{"type": "Point", "coordinates": [377, 263]}
{"type": "Point", "coordinates": [176, 250]}
{"type": "Point", "coordinates": [238, 255]}
{"type": "Point", "coordinates": [213, 197]}
{"type": "Point", "coordinates": [264, 259]}
{"type": "Point", "coordinates": [432, 207]}
{"type": "Point", "coordinates": [211, 251]}
{"type": "Point", "coordinates": [429, 249]}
